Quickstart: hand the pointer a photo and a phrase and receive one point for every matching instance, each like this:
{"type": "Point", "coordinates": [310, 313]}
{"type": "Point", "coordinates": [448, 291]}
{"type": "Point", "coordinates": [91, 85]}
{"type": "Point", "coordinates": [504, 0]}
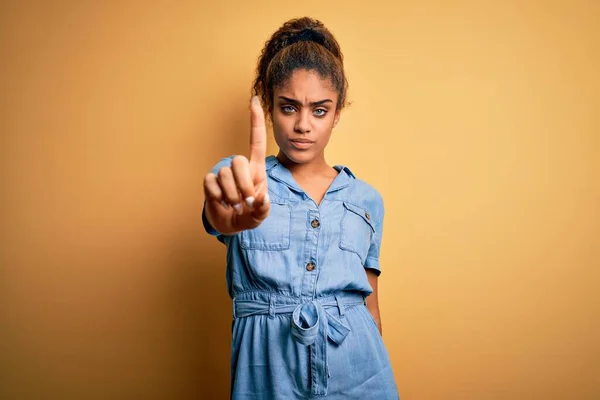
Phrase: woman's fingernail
{"type": "Point", "coordinates": [224, 204]}
{"type": "Point", "coordinates": [249, 201]}
{"type": "Point", "coordinates": [266, 198]}
{"type": "Point", "coordinates": [255, 100]}
{"type": "Point", "coordinates": [238, 208]}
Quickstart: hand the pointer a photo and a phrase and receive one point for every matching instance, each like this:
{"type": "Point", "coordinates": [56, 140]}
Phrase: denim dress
{"type": "Point", "coordinates": [301, 329]}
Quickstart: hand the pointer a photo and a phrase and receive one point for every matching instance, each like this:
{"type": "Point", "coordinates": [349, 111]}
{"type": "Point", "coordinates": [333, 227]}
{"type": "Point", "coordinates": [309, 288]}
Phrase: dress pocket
{"type": "Point", "coordinates": [273, 233]}
{"type": "Point", "coordinates": [357, 230]}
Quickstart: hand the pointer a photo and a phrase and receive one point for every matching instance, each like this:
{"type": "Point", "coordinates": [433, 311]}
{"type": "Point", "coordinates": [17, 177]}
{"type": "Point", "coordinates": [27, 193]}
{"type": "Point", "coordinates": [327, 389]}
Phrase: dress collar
{"type": "Point", "coordinates": [280, 173]}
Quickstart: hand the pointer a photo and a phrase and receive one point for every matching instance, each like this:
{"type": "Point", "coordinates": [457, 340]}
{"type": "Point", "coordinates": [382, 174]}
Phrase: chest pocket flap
{"type": "Point", "coordinates": [357, 230]}
{"type": "Point", "coordinates": [273, 233]}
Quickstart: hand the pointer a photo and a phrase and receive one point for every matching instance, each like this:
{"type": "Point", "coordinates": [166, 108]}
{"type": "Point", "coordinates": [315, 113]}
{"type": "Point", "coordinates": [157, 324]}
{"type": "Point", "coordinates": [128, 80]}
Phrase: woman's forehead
{"type": "Point", "coordinates": [309, 85]}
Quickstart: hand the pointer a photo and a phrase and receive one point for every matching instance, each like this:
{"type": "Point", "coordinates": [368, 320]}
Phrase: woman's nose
{"type": "Point", "coordinates": [302, 123]}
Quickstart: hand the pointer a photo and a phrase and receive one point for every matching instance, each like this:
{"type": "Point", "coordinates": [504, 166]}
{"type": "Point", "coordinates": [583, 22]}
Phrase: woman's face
{"type": "Point", "coordinates": [304, 114]}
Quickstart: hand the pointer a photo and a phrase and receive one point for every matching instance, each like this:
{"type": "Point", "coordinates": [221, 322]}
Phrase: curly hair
{"type": "Point", "coordinates": [300, 43]}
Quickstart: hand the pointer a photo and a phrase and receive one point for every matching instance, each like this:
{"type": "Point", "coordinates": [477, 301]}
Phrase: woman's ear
{"type": "Point", "coordinates": [336, 118]}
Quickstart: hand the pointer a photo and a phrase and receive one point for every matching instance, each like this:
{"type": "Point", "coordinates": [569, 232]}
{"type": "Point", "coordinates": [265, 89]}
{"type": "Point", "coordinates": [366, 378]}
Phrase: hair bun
{"type": "Point", "coordinates": [307, 35]}
{"type": "Point", "coordinates": [280, 58]}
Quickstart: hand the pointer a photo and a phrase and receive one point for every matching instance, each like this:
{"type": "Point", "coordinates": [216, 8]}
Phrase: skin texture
{"type": "Point", "coordinates": [304, 108]}
{"type": "Point", "coordinates": [373, 300]}
{"type": "Point", "coordinates": [246, 180]}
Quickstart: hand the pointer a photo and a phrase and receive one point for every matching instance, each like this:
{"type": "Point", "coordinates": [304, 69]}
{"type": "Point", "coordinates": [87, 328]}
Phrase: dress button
{"type": "Point", "coordinates": [368, 216]}
{"type": "Point", "coordinates": [310, 266]}
{"type": "Point", "coordinates": [315, 223]}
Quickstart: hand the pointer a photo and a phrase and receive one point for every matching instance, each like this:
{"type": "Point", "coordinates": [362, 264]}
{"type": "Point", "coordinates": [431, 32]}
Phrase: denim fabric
{"type": "Point", "coordinates": [298, 332]}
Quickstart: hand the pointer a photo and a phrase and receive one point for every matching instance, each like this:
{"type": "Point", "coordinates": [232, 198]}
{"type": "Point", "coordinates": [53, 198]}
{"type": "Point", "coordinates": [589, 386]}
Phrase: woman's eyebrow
{"type": "Point", "coordinates": [312, 103]}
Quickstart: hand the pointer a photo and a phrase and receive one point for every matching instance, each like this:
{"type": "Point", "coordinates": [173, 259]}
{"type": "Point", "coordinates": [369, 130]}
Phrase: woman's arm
{"type": "Point", "coordinates": [372, 300]}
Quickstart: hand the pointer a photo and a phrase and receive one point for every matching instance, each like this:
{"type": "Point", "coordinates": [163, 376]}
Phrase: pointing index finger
{"type": "Point", "coordinates": [258, 133]}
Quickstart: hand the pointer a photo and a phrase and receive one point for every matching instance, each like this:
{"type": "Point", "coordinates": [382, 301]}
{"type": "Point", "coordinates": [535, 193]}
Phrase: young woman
{"type": "Point", "coordinates": [303, 238]}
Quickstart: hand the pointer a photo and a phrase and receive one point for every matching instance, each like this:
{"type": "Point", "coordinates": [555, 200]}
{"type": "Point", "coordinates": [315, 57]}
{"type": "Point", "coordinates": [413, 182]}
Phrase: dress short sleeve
{"type": "Point", "coordinates": [224, 162]}
{"type": "Point", "coordinates": [372, 260]}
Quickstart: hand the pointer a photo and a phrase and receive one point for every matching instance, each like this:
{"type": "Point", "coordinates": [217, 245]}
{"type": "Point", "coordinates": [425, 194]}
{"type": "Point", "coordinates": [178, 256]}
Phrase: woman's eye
{"type": "Point", "coordinates": [287, 109]}
{"type": "Point", "coordinates": [320, 112]}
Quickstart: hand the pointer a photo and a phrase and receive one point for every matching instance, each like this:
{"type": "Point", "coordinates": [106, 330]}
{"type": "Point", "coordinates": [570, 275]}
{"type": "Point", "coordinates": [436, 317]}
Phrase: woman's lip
{"type": "Point", "coordinates": [301, 145]}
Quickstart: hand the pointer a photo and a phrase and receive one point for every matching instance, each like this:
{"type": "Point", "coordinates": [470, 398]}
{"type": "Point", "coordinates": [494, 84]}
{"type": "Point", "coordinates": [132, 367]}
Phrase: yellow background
{"type": "Point", "coordinates": [478, 121]}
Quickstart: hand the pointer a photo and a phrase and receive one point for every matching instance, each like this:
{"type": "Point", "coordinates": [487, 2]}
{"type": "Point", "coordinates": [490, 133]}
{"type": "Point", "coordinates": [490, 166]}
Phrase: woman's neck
{"type": "Point", "coordinates": [318, 166]}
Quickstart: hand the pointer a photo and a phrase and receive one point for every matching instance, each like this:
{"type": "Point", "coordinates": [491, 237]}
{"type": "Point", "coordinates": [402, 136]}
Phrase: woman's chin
{"type": "Point", "coordinates": [299, 156]}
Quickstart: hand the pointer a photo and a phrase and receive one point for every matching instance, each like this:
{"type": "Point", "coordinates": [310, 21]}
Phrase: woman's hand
{"type": "Point", "coordinates": [237, 197]}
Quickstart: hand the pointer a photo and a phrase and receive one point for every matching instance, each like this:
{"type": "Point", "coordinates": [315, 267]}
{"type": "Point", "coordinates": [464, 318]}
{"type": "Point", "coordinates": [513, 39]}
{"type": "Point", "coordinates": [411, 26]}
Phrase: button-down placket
{"type": "Point", "coordinates": [311, 272]}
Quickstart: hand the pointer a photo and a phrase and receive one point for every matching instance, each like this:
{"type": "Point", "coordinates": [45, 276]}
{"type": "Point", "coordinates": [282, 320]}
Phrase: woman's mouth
{"type": "Point", "coordinates": [301, 144]}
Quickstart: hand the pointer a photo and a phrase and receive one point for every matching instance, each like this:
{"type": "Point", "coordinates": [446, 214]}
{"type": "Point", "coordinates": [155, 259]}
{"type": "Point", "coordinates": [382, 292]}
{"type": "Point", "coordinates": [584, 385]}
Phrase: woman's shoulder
{"type": "Point", "coordinates": [364, 194]}
{"type": "Point", "coordinates": [367, 188]}
{"type": "Point", "coordinates": [270, 160]}
{"type": "Point", "coordinates": [223, 162]}
{"type": "Point", "coordinates": [360, 186]}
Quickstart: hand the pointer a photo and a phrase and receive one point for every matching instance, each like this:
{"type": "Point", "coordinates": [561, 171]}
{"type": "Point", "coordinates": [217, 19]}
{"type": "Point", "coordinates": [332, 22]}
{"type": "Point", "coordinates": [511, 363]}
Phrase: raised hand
{"type": "Point", "coordinates": [237, 197]}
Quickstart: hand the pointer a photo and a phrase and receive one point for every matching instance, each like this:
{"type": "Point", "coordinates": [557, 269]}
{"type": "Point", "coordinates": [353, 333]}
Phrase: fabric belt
{"type": "Point", "coordinates": [312, 323]}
